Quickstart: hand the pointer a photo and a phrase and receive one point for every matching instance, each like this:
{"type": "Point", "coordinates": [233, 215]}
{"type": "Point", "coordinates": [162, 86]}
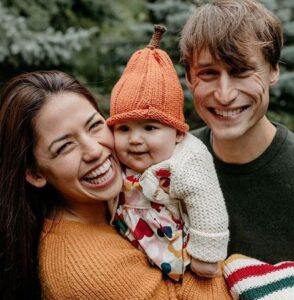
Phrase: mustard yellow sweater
{"type": "Point", "coordinates": [87, 261]}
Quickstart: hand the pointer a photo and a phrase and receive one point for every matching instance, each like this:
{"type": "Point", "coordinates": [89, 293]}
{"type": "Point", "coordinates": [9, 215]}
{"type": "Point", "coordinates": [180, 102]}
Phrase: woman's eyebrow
{"type": "Point", "coordinates": [63, 137]}
{"type": "Point", "coordinates": [91, 118]}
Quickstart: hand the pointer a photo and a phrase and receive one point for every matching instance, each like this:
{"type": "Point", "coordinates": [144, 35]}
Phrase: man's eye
{"type": "Point", "coordinates": [243, 72]}
{"type": "Point", "coordinates": [207, 74]}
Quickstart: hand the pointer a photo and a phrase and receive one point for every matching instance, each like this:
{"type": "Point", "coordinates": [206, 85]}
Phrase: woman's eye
{"type": "Point", "coordinates": [63, 148]}
{"type": "Point", "coordinates": [96, 124]}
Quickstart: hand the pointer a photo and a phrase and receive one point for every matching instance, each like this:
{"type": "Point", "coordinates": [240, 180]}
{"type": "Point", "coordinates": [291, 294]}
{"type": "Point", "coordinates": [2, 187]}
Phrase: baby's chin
{"type": "Point", "coordinates": [138, 167]}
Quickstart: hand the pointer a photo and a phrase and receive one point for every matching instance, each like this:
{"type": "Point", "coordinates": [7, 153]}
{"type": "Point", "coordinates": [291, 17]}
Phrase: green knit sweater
{"type": "Point", "coordinates": [260, 199]}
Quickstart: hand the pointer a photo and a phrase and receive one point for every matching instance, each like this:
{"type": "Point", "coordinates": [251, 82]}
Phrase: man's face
{"type": "Point", "coordinates": [231, 102]}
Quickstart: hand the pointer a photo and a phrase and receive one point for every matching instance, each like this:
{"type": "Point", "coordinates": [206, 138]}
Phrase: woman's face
{"type": "Point", "coordinates": [74, 150]}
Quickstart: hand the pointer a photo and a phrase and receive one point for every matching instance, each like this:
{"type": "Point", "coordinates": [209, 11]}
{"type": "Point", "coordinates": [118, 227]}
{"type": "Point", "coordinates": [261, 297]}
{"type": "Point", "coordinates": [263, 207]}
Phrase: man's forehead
{"type": "Point", "coordinates": [204, 58]}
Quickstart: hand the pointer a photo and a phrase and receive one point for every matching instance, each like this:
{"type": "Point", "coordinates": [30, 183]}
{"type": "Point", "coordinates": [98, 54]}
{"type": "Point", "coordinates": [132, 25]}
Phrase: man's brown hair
{"type": "Point", "coordinates": [230, 30]}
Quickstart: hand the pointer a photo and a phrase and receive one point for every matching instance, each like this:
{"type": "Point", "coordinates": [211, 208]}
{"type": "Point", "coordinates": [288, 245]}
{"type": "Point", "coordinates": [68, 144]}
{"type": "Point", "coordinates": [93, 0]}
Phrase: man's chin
{"type": "Point", "coordinates": [227, 134]}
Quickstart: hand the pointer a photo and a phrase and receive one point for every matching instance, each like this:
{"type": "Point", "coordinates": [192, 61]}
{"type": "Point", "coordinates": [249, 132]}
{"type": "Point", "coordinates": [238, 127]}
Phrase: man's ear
{"type": "Point", "coordinates": [188, 80]}
{"type": "Point", "coordinates": [35, 178]}
{"type": "Point", "coordinates": [275, 74]}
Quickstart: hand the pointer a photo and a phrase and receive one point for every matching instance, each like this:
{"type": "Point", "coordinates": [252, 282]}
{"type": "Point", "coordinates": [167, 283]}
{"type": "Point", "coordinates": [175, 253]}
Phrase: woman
{"type": "Point", "coordinates": [58, 170]}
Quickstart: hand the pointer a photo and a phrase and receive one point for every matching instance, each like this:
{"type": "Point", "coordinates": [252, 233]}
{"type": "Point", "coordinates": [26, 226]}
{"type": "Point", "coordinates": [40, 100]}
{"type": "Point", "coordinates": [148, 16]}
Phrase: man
{"type": "Point", "coordinates": [231, 49]}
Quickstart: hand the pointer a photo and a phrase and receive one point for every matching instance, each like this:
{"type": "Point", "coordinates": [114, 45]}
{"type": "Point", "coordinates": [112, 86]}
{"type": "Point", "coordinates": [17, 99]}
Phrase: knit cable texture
{"type": "Point", "coordinates": [149, 88]}
{"type": "Point", "coordinates": [88, 261]}
{"type": "Point", "coordinates": [195, 183]}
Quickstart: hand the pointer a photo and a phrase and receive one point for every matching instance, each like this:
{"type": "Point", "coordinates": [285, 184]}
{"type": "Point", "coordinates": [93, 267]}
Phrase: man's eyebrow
{"type": "Point", "coordinates": [204, 64]}
{"type": "Point", "coordinates": [63, 137]}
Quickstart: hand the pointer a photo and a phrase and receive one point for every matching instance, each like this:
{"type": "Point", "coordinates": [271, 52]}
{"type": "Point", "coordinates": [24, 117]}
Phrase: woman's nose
{"type": "Point", "coordinates": [91, 149]}
{"type": "Point", "coordinates": [225, 92]}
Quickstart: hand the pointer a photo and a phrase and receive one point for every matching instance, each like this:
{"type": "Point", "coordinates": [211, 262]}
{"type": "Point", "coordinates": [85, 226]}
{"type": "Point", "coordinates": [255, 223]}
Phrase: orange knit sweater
{"type": "Point", "coordinates": [87, 261]}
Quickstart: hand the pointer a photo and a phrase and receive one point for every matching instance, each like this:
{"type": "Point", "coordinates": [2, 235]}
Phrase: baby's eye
{"type": "Point", "coordinates": [122, 128]}
{"type": "Point", "coordinates": [150, 127]}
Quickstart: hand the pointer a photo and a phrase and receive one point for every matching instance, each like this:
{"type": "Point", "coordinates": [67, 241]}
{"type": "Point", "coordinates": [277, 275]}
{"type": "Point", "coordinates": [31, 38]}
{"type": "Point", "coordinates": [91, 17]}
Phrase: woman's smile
{"type": "Point", "coordinates": [100, 176]}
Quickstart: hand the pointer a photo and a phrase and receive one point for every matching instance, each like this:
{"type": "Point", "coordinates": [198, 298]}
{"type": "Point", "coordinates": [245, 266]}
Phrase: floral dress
{"type": "Point", "coordinates": [155, 228]}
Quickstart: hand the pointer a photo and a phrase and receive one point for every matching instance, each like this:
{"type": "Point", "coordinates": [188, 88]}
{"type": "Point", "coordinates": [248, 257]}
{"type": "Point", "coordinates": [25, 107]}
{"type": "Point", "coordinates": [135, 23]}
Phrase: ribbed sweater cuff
{"type": "Point", "coordinates": [209, 247]}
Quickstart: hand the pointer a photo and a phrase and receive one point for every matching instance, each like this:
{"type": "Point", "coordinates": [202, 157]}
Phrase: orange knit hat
{"type": "Point", "coordinates": [149, 88]}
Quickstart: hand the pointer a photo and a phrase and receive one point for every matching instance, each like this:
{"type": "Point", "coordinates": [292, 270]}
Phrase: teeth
{"type": "Point", "coordinates": [228, 113]}
{"type": "Point", "coordinates": [103, 178]}
{"type": "Point", "coordinates": [102, 169]}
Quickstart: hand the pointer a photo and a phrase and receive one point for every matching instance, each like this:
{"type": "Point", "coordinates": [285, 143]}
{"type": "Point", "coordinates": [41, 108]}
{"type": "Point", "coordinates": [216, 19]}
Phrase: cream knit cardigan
{"type": "Point", "coordinates": [194, 182]}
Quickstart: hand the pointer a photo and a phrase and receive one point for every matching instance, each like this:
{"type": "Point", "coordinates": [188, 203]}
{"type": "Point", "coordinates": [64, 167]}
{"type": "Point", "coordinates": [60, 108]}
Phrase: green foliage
{"type": "Point", "coordinates": [282, 95]}
{"type": "Point", "coordinates": [39, 46]}
{"type": "Point", "coordinates": [93, 40]}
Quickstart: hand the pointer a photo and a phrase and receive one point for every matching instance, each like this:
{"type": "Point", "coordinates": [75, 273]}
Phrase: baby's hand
{"type": "Point", "coordinates": [205, 269]}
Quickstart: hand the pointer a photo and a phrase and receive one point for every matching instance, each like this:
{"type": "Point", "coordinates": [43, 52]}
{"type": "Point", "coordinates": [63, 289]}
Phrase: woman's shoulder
{"type": "Point", "coordinates": [81, 260]}
{"type": "Point", "coordinates": [75, 238]}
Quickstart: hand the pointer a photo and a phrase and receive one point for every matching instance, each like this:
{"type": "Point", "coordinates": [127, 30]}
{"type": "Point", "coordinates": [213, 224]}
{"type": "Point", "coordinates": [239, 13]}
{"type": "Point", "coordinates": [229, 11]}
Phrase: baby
{"type": "Point", "coordinates": [172, 207]}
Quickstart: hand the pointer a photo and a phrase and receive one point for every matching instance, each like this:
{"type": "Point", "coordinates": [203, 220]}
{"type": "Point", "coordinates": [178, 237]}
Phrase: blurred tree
{"type": "Point", "coordinates": [32, 39]}
{"type": "Point", "coordinates": [173, 13]}
{"type": "Point", "coordinates": [93, 40]}
{"type": "Point", "coordinates": [282, 100]}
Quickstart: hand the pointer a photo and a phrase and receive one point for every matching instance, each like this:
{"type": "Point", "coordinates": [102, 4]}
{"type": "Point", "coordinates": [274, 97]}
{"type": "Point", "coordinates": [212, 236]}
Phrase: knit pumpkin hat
{"type": "Point", "coordinates": [149, 88]}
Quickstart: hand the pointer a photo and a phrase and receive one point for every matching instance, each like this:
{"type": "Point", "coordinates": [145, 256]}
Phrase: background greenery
{"type": "Point", "coordinates": [93, 39]}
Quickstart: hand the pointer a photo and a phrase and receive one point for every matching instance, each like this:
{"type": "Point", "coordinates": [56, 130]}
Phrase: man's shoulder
{"type": "Point", "coordinates": [288, 135]}
{"type": "Point", "coordinates": [202, 133]}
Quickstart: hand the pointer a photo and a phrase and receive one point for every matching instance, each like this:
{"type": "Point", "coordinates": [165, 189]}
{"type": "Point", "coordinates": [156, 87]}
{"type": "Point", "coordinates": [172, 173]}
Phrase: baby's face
{"type": "Point", "coordinates": [141, 144]}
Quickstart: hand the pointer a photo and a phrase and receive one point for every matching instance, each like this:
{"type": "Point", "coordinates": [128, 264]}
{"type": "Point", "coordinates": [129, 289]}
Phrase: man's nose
{"type": "Point", "coordinates": [225, 91]}
{"type": "Point", "coordinates": [91, 149]}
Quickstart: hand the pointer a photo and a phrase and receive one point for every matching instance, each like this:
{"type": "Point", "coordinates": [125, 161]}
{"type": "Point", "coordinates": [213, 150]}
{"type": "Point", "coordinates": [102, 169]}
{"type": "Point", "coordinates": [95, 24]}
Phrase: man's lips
{"type": "Point", "coordinates": [227, 113]}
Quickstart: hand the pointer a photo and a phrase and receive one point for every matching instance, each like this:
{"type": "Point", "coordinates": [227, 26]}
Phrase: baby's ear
{"type": "Point", "coordinates": [35, 178]}
{"type": "Point", "coordinates": [180, 136]}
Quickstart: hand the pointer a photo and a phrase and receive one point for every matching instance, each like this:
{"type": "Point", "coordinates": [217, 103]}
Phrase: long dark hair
{"type": "Point", "coordinates": [23, 207]}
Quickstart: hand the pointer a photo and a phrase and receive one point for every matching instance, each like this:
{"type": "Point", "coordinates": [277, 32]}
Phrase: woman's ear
{"type": "Point", "coordinates": [35, 179]}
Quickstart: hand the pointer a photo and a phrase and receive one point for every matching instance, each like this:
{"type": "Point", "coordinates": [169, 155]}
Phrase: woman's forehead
{"type": "Point", "coordinates": [63, 111]}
